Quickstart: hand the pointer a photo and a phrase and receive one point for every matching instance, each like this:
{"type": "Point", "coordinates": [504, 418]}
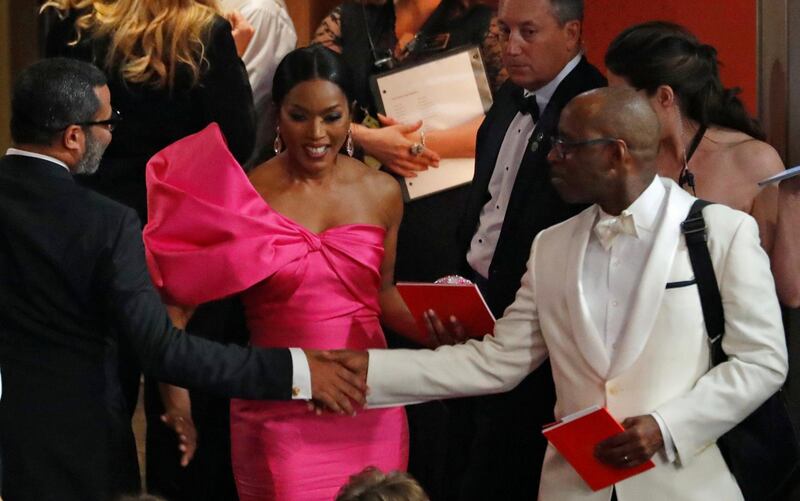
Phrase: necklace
{"type": "Point", "coordinates": [686, 177]}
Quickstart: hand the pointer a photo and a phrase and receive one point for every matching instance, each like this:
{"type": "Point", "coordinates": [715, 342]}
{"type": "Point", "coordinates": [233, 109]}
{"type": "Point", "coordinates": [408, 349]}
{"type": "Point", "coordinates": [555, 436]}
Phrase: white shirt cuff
{"type": "Point", "coordinates": [669, 451]}
{"type": "Point", "coordinates": [301, 375]}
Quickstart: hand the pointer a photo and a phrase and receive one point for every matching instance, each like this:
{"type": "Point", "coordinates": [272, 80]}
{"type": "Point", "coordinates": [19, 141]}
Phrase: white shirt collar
{"type": "Point", "coordinates": [545, 93]}
{"type": "Point", "coordinates": [23, 153]}
{"type": "Point", "coordinates": [646, 208]}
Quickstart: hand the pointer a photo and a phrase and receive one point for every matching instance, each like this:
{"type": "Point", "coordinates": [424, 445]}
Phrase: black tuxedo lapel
{"type": "Point", "coordinates": [506, 423]}
{"type": "Point", "coordinates": [490, 138]}
{"type": "Point", "coordinates": [495, 126]}
{"type": "Point", "coordinates": [534, 204]}
{"type": "Point", "coordinates": [535, 168]}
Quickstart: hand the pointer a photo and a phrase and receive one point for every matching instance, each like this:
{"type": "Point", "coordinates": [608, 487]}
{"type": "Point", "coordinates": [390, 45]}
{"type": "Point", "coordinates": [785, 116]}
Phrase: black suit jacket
{"type": "Point", "coordinates": [72, 271]}
{"type": "Point", "coordinates": [534, 203]}
{"type": "Point", "coordinates": [508, 446]}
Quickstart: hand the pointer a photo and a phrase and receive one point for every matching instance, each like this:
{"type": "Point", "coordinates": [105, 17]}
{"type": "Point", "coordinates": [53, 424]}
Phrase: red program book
{"type": "Point", "coordinates": [464, 301]}
{"type": "Point", "coordinates": [575, 437]}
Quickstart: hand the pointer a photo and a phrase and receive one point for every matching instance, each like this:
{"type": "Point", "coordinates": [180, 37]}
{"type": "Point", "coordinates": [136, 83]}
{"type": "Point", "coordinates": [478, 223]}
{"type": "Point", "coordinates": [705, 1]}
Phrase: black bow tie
{"type": "Point", "coordinates": [527, 105]}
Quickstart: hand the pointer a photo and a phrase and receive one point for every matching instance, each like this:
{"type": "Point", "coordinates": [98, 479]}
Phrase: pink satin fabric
{"type": "Point", "coordinates": [210, 234]}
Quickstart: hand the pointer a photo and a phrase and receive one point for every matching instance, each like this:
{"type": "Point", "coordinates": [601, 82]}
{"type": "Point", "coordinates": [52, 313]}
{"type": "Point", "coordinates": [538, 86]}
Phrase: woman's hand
{"type": "Point", "coordinates": [183, 426]}
{"type": "Point", "coordinates": [392, 145]}
{"type": "Point", "coordinates": [441, 335]}
{"type": "Point", "coordinates": [178, 416]}
{"type": "Point", "coordinates": [241, 30]}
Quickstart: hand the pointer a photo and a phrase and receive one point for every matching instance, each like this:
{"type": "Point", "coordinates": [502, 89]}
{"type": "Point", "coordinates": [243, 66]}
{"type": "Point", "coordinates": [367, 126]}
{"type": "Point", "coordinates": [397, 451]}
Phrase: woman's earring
{"type": "Point", "coordinates": [277, 146]}
{"type": "Point", "coordinates": [348, 146]}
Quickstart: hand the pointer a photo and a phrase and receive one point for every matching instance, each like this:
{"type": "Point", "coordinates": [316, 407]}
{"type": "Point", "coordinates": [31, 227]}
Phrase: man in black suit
{"type": "Point", "coordinates": [72, 270]}
{"type": "Point", "coordinates": [511, 200]}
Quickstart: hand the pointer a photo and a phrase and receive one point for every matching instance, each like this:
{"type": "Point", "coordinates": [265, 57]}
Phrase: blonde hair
{"type": "Point", "coordinates": [464, 3]}
{"type": "Point", "coordinates": [148, 40]}
{"type": "Point", "coordinates": [373, 485]}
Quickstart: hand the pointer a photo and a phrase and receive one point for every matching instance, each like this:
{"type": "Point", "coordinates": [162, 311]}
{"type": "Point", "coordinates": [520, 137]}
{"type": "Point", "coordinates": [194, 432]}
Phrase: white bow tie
{"type": "Point", "coordinates": [607, 229]}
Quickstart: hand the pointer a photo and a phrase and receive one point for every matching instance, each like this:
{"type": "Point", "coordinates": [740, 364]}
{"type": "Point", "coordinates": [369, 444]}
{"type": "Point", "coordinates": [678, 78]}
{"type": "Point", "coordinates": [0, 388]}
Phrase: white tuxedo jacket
{"type": "Point", "coordinates": [661, 364]}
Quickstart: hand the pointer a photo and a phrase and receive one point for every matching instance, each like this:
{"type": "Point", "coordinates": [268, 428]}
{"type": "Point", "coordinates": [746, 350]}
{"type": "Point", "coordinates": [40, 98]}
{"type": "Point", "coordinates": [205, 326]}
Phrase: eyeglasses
{"type": "Point", "coordinates": [562, 147]}
{"type": "Point", "coordinates": [110, 123]}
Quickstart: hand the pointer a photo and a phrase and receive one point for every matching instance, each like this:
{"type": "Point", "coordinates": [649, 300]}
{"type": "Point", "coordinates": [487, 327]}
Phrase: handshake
{"type": "Point", "coordinates": [339, 377]}
{"type": "Point", "coordinates": [338, 380]}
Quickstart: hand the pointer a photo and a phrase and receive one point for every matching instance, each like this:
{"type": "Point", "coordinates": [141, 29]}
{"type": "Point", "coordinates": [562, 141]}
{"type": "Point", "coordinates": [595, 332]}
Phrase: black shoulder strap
{"type": "Point", "coordinates": [698, 136]}
{"type": "Point", "coordinates": [694, 230]}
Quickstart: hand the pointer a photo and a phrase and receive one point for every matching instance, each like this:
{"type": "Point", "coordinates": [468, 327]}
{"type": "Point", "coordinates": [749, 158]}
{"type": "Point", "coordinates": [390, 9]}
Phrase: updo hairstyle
{"type": "Point", "coordinates": [661, 53]}
{"type": "Point", "coordinates": [310, 63]}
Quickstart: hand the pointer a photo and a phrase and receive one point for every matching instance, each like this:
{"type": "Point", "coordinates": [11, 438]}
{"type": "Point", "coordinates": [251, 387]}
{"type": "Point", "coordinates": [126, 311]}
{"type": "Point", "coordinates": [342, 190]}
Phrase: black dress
{"type": "Point", "coordinates": [153, 118]}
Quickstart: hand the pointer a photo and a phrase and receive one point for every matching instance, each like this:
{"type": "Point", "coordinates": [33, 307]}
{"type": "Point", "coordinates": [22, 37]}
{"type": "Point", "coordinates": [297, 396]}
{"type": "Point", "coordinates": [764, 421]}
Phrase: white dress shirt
{"type": "Point", "coordinates": [610, 277]}
{"type": "Point", "coordinates": [23, 153]}
{"type": "Point", "coordinates": [301, 373]}
{"type": "Point", "coordinates": [484, 242]}
{"type": "Point", "coordinates": [274, 37]}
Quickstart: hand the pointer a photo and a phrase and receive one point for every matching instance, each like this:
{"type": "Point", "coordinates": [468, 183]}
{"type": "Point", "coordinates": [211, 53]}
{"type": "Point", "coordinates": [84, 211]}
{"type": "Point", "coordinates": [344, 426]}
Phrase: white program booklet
{"type": "Point", "coordinates": [443, 92]}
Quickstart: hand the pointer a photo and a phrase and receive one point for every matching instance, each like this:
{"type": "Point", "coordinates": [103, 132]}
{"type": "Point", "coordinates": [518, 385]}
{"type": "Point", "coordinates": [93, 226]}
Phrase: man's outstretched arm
{"type": "Point", "coordinates": [496, 364]}
{"type": "Point", "coordinates": [171, 355]}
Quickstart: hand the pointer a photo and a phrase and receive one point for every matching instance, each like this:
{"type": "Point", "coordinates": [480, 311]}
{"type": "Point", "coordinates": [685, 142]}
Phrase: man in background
{"type": "Point", "coordinates": [510, 202]}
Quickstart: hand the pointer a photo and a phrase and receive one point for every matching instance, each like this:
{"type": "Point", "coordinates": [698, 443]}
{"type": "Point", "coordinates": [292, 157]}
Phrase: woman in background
{"type": "Point", "coordinates": [172, 68]}
{"type": "Point", "coordinates": [709, 144]}
{"type": "Point", "coordinates": [313, 271]}
{"type": "Point", "coordinates": [369, 34]}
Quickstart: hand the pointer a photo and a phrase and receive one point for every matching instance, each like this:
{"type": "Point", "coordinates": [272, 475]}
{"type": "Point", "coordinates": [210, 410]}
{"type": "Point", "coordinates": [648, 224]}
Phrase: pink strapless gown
{"type": "Point", "coordinates": [210, 234]}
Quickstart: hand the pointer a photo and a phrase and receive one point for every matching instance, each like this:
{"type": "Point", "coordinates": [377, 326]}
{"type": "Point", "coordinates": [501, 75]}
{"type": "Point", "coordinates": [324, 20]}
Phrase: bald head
{"type": "Point", "coordinates": [619, 112]}
{"type": "Point", "coordinates": [607, 151]}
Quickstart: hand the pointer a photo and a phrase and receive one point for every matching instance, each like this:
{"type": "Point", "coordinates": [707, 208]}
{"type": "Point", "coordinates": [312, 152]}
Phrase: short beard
{"type": "Point", "coordinates": [90, 161]}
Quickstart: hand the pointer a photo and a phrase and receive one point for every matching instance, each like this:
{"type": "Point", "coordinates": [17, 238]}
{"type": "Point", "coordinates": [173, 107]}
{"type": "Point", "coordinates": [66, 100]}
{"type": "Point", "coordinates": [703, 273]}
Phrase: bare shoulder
{"type": "Point", "coordinates": [752, 158]}
{"type": "Point", "coordinates": [378, 187]}
{"type": "Point", "coordinates": [265, 175]}
{"type": "Point", "coordinates": [759, 157]}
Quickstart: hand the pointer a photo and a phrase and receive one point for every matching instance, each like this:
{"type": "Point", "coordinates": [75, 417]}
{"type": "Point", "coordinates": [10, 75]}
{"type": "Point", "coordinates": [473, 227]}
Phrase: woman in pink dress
{"type": "Point", "coordinates": [309, 241]}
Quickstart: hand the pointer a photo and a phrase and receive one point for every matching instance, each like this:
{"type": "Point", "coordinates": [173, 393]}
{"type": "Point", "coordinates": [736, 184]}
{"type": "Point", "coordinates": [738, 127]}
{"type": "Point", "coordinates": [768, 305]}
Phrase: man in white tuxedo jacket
{"type": "Point", "coordinates": [598, 304]}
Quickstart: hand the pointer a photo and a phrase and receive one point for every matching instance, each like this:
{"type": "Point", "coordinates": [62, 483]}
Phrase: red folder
{"type": "Point", "coordinates": [575, 437]}
{"type": "Point", "coordinates": [464, 301]}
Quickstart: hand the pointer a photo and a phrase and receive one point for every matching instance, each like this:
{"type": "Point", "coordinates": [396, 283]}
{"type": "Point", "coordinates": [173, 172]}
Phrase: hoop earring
{"type": "Point", "coordinates": [277, 146]}
{"type": "Point", "coordinates": [349, 147]}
